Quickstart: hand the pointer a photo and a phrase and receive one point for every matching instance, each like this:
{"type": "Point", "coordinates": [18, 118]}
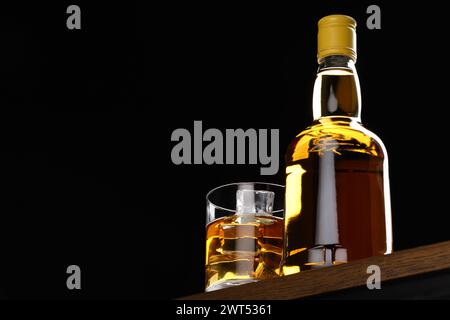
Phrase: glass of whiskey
{"type": "Point", "coordinates": [244, 233]}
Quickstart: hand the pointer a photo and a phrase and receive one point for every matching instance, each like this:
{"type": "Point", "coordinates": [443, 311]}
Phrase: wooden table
{"type": "Point", "coordinates": [422, 272]}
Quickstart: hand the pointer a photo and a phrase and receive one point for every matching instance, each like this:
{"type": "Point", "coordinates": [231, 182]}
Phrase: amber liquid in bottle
{"type": "Point", "coordinates": [337, 185]}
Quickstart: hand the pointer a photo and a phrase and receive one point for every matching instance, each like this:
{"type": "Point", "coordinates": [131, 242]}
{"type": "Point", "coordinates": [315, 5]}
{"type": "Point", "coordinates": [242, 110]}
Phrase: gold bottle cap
{"type": "Point", "coordinates": [336, 36]}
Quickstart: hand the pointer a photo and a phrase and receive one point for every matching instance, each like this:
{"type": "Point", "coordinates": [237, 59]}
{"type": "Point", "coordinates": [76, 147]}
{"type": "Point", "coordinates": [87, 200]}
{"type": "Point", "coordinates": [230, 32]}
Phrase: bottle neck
{"type": "Point", "coordinates": [336, 89]}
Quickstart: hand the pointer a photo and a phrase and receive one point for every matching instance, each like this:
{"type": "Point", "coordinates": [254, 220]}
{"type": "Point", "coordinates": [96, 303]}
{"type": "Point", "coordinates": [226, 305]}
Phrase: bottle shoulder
{"type": "Point", "coordinates": [339, 136]}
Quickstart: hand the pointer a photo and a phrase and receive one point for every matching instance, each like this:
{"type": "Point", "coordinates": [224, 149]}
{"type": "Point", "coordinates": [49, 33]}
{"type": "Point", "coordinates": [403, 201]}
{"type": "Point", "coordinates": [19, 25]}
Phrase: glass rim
{"type": "Point", "coordinates": [238, 183]}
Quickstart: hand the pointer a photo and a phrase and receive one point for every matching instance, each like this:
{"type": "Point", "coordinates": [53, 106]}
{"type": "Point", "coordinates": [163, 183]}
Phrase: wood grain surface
{"type": "Point", "coordinates": [400, 264]}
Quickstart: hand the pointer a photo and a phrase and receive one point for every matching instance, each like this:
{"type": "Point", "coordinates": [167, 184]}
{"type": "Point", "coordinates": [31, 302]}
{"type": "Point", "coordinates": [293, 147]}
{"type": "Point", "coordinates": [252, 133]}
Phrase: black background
{"type": "Point", "coordinates": [86, 118]}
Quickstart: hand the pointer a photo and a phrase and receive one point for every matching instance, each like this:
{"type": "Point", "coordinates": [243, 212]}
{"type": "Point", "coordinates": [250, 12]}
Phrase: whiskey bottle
{"type": "Point", "coordinates": [337, 185]}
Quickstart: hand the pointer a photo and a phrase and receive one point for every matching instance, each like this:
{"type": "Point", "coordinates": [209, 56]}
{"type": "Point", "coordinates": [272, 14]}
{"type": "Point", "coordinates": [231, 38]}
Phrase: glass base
{"type": "Point", "coordinates": [228, 284]}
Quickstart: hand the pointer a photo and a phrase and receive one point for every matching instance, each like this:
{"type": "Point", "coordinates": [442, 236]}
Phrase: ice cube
{"type": "Point", "coordinates": [258, 202]}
